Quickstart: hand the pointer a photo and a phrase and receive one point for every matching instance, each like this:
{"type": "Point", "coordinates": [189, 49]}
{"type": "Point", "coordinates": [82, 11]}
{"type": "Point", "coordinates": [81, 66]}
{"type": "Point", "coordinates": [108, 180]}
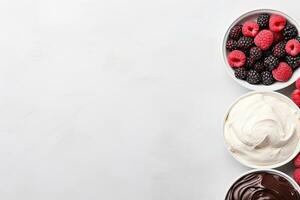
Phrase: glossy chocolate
{"type": "Point", "coordinates": [262, 186]}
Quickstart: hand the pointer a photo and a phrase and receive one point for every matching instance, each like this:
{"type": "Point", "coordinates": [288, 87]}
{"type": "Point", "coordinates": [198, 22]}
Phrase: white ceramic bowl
{"type": "Point", "coordinates": [244, 162]}
{"type": "Point", "coordinates": [251, 16]}
{"type": "Point", "coordinates": [271, 171]}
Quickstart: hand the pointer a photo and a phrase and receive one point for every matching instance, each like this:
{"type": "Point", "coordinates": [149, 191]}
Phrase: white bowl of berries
{"type": "Point", "coordinates": [261, 50]}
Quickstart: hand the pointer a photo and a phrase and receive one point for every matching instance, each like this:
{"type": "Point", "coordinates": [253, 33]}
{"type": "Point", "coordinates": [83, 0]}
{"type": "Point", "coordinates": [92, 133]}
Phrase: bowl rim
{"type": "Point", "coordinates": [273, 171]}
{"type": "Point", "coordinates": [243, 162]}
{"type": "Point", "coordinates": [277, 85]}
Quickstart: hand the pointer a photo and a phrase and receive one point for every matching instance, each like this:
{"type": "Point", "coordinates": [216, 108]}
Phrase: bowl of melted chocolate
{"type": "Point", "coordinates": [264, 185]}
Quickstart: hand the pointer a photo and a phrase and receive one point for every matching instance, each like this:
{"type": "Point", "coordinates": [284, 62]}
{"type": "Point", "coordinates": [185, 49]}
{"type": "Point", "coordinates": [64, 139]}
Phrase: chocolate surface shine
{"type": "Point", "coordinates": [262, 186]}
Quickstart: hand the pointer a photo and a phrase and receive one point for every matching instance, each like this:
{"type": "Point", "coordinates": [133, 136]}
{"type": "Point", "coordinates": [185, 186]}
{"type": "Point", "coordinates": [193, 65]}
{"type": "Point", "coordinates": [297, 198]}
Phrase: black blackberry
{"type": "Point", "coordinates": [255, 53]}
{"type": "Point", "coordinates": [236, 32]}
{"type": "Point", "coordinates": [240, 73]}
{"type": "Point", "coordinates": [259, 66]}
{"type": "Point", "coordinates": [231, 45]}
{"type": "Point", "coordinates": [267, 78]}
{"type": "Point", "coordinates": [294, 62]}
{"type": "Point", "coordinates": [279, 50]}
{"type": "Point", "coordinates": [289, 32]}
{"type": "Point", "coordinates": [246, 51]}
{"type": "Point", "coordinates": [253, 77]}
{"type": "Point", "coordinates": [249, 63]}
{"type": "Point", "coordinates": [245, 42]}
{"type": "Point", "coordinates": [263, 20]}
{"type": "Point", "coordinates": [297, 38]}
{"type": "Point", "coordinates": [267, 53]}
{"type": "Point", "coordinates": [271, 62]}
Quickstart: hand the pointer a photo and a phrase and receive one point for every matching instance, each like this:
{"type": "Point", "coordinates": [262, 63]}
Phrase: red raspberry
{"type": "Point", "coordinates": [283, 72]}
{"type": "Point", "coordinates": [264, 39]}
{"type": "Point", "coordinates": [296, 99]}
{"type": "Point", "coordinates": [298, 83]}
{"type": "Point", "coordinates": [236, 59]}
{"type": "Point", "coordinates": [277, 23]}
{"type": "Point", "coordinates": [297, 161]}
{"type": "Point", "coordinates": [250, 29]}
{"type": "Point", "coordinates": [296, 175]}
{"type": "Point", "coordinates": [292, 47]}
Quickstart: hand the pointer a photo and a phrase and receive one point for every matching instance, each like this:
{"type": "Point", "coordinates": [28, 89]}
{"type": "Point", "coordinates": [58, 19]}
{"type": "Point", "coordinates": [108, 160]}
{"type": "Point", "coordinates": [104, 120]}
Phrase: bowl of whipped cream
{"type": "Point", "coordinates": [262, 129]}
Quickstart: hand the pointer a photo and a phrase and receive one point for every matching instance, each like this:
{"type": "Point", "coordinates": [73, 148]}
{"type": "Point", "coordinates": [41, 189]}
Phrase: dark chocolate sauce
{"type": "Point", "coordinates": [262, 186]}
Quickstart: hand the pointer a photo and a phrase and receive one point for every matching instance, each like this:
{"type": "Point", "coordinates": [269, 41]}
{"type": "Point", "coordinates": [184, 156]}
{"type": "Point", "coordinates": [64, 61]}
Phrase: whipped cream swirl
{"type": "Point", "coordinates": [262, 129]}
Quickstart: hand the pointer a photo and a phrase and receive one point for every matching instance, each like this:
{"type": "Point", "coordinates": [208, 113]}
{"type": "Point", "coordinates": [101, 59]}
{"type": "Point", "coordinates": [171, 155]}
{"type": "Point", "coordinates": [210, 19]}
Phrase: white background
{"type": "Point", "coordinates": [117, 99]}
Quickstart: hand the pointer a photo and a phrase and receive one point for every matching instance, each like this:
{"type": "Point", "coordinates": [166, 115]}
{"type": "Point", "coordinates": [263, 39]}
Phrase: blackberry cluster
{"type": "Point", "coordinates": [231, 45]}
{"type": "Point", "coordinates": [249, 63]}
{"type": "Point", "coordinates": [245, 42]}
{"type": "Point", "coordinates": [263, 20]}
{"type": "Point", "coordinates": [289, 32]}
{"type": "Point", "coordinates": [267, 78]}
{"type": "Point", "coordinates": [279, 50]}
{"type": "Point", "coordinates": [240, 73]}
{"type": "Point", "coordinates": [253, 77]}
{"type": "Point", "coordinates": [294, 62]}
{"type": "Point", "coordinates": [258, 66]}
{"type": "Point", "coordinates": [271, 62]}
{"type": "Point", "coordinates": [255, 53]}
{"type": "Point", "coordinates": [236, 32]}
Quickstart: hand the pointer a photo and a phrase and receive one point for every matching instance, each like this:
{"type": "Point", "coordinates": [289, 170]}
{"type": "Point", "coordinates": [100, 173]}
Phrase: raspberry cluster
{"type": "Point", "coordinates": [264, 51]}
{"type": "Point", "coordinates": [296, 93]}
{"type": "Point", "coordinates": [296, 99]}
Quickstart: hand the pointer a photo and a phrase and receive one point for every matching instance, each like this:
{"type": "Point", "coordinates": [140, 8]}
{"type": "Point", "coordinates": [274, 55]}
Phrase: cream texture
{"type": "Point", "coordinates": [262, 129]}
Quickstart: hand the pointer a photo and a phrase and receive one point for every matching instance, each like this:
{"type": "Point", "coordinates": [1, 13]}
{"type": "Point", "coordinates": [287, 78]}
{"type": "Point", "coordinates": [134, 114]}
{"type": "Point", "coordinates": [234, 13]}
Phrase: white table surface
{"type": "Point", "coordinates": [116, 99]}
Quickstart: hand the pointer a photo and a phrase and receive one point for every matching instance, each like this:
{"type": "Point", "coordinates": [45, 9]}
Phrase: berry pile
{"type": "Point", "coordinates": [264, 51]}
{"type": "Point", "coordinates": [296, 99]}
{"type": "Point", "coordinates": [296, 173]}
{"type": "Point", "coordinates": [296, 93]}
